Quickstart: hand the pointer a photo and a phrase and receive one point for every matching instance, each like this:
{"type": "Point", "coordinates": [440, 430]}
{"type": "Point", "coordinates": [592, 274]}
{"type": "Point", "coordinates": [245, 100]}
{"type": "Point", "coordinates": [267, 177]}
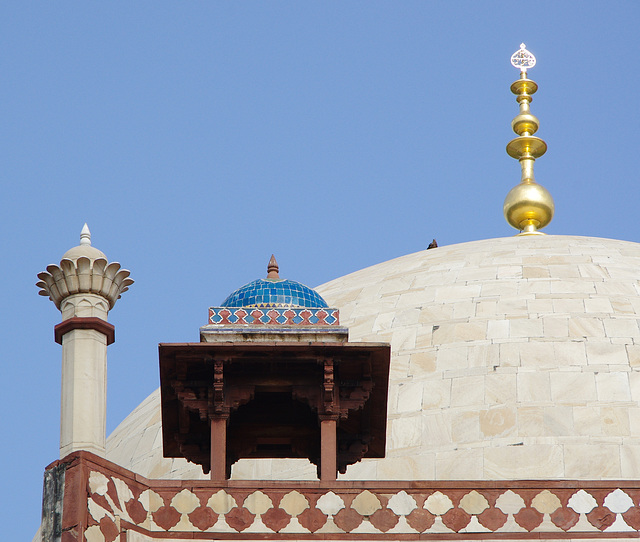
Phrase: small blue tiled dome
{"type": "Point", "coordinates": [274, 293]}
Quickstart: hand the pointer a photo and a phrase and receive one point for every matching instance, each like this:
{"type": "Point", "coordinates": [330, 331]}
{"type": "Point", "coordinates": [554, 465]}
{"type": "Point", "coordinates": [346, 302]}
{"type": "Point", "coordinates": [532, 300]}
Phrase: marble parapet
{"type": "Point", "coordinates": [104, 502]}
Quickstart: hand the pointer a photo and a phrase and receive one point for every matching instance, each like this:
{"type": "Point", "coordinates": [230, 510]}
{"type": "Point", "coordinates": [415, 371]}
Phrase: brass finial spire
{"type": "Point", "coordinates": [528, 207]}
{"type": "Point", "coordinates": [272, 268]}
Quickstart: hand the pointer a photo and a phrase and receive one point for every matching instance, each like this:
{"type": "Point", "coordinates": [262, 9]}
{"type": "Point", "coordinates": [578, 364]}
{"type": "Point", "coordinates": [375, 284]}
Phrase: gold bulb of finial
{"type": "Point", "coordinates": [528, 206]}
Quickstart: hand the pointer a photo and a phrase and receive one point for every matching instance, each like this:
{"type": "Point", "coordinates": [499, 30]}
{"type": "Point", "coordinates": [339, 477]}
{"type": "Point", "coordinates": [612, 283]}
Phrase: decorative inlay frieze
{"type": "Point", "coordinates": [274, 316]}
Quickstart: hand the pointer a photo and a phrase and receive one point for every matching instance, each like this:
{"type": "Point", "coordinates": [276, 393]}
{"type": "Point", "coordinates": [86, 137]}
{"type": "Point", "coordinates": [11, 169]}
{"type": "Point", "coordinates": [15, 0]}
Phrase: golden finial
{"type": "Point", "coordinates": [528, 206]}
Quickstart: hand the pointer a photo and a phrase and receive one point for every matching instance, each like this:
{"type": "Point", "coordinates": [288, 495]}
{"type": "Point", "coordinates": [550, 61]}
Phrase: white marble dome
{"type": "Point", "coordinates": [514, 358]}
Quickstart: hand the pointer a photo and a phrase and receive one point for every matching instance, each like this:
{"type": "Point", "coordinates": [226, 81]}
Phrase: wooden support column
{"type": "Point", "coordinates": [218, 449]}
{"type": "Point", "coordinates": [328, 450]}
{"type": "Point", "coordinates": [328, 425]}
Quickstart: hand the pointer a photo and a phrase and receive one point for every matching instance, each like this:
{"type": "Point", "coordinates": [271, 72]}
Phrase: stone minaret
{"type": "Point", "coordinates": [84, 287]}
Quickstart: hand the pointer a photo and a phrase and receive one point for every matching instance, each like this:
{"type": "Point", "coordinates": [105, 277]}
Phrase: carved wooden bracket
{"type": "Point", "coordinates": [328, 388]}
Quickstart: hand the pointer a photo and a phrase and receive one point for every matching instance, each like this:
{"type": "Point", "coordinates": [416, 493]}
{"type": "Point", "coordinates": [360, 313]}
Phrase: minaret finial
{"type": "Point", "coordinates": [85, 235]}
{"type": "Point", "coordinates": [528, 207]}
{"type": "Point", "coordinates": [272, 268]}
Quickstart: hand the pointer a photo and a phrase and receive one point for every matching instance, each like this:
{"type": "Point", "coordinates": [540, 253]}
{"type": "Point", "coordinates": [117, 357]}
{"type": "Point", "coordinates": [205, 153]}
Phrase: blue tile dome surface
{"type": "Point", "coordinates": [274, 293]}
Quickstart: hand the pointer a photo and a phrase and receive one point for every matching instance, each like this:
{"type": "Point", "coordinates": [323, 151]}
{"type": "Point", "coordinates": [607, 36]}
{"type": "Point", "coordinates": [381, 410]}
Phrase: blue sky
{"type": "Point", "coordinates": [198, 138]}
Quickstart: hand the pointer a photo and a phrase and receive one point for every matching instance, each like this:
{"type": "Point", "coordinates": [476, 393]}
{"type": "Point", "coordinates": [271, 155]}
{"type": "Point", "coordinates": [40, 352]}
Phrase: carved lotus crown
{"type": "Point", "coordinates": [84, 269]}
{"type": "Point", "coordinates": [84, 276]}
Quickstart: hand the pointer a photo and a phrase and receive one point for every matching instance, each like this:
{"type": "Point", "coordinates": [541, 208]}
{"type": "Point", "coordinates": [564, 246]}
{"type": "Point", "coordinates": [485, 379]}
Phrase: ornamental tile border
{"type": "Point", "coordinates": [280, 316]}
{"type": "Point", "coordinates": [118, 500]}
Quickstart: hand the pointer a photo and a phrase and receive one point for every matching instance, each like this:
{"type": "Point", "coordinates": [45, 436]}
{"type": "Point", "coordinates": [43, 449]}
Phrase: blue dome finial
{"type": "Point", "coordinates": [273, 269]}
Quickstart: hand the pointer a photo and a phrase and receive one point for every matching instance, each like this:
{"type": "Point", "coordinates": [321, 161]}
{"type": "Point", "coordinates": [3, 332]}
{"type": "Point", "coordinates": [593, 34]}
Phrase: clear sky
{"type": "Point", "coordinates": [198, 138]}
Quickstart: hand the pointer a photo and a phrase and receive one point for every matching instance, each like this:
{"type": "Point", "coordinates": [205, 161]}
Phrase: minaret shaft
{"type": "Point", "coordinates": [83, 404]}
{"type": "Point", "coordinates": [83, 412]}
